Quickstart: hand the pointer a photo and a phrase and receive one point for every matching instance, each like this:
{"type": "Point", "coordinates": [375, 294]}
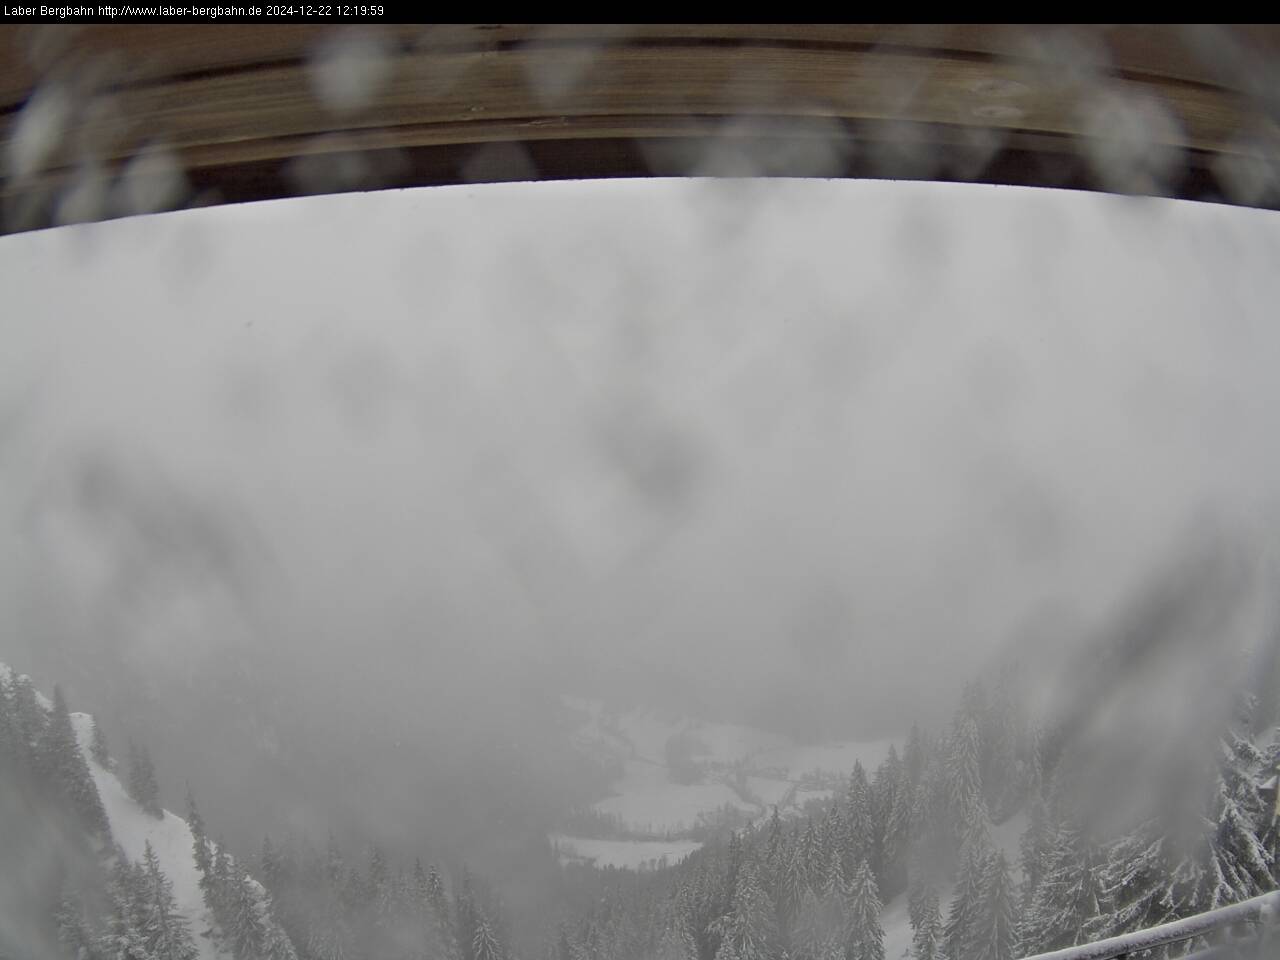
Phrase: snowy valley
{"type": "Point", "coordinates": [717, 842]}
{"type": "Point", "coordinates": [675, 779]}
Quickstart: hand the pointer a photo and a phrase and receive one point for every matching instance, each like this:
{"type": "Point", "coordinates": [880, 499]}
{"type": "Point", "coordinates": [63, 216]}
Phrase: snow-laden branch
{"type": "Point", "coordinates": [1263, 909]}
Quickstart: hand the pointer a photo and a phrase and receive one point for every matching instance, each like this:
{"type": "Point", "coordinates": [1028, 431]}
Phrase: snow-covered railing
{"type": "Point", "coordinates": [1259, 910]}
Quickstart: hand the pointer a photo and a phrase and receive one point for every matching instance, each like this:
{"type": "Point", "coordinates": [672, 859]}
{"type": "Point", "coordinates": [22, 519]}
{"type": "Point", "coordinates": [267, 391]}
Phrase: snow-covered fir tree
{"type": "Point", "coordinates": [819, 926]}
{"type": "Point", "coordinates": [248, 932]}
{"type": "Point", "coordinates": [1269, 777]}
{"type": "Point", "coordinates": [1243, 863]}
{"type": "Point", "coordinates": [441, 916]}
{"type": "Point", "coordinates": [74, 928]}
{"type": "Point", "coordinates": [121, 938]}
{"type": "Point", "coordinates": [277, 945]}
{"type": "Point", "coordinates": [484, 942]}
{"type": "Point", "coordinates": [272, 865]}
{"type": "Point", "coordinates": [677, 941]}
{"type": "Point", "coordinates": [991, 934]}
{"type": "Point", "coordinates": [98, 748]}
{"type": "Point", "coordinates": [141, 783]}
{"type": "Point", "coordinates": [1004, 734]}
{"type": "Point", "coordinates": [819, 933]}
{"type": "Point", "coordinates": [8, 732]}
{"type": "Point", "coordinates": [1132, 881]}
{"type": "Point", "coordinates": [29, 719]}
{"type": "Point", "coordinates": [860, 824]}
{"type": "Point", "coordinates": [1176, 864]}
{"type": "Point", "coordinates": [199, 837]}
{"type": "Point", "coordinates": [218, 886]}
{"type": "Point", "coordinates": [1065, 903]}
{"type": "Point", "coordinates": [864, 937]}
{"type": "Point", "coordinates": [965, 764]}
{"type": "Point", "coordinates": [791, 884]}
{"type": "Point", "coordinates": [893, 795]}
{"type": "Point", "coordinates": [1036, 846]}
{"type": "Point", "coordinates": [165, 932]}
{"type": "Point", "coordinates": [64, 765]}
{"type": "Point", "coordinates": [747, 931]}
{"type": "Point", "coordinates": [962, 918]}
{"type": "Point", "coordinates": [926, 924]}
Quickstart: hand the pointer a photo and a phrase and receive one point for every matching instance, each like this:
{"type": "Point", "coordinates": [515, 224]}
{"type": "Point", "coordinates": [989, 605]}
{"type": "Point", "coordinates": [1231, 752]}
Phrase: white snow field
{"type": "Point", "coordinates": [738, 766]}
{"type": "Point", "coordinates": [647, 801]}
{"type": "Point", "coordinates": [631, 854]}
{"type": "Point", "coordinates": [735, 766]}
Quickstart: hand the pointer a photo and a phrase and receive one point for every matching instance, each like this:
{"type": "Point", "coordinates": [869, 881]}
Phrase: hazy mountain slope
{"type": "Point", "coordinates": [132, 828]}
{"type": "Point", "coordinates": [170, 838]}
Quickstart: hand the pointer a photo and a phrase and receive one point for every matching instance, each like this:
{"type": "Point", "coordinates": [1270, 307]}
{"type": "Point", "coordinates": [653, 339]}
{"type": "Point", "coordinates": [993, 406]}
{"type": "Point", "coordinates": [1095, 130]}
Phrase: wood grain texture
{"type": "Point", "coordinates": [239, 110]}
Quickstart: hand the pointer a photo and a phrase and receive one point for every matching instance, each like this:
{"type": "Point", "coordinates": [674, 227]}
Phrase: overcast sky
{"type": "Point", "coordinates": [759, 442]}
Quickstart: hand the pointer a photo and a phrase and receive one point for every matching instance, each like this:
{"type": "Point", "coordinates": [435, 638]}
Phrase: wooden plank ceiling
{"type": "Point", "coordinates": [105, 121]}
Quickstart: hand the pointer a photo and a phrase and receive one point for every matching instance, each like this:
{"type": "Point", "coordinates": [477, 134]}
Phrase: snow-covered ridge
{"type": "Point", "coordinates": [170, 838]}
{"type": "Point", "coordinates": [132, 828]}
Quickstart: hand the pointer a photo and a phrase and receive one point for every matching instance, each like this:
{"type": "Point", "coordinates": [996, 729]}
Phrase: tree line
{"type": "Point", "coordinates": [921, 827]}
{"type": "Point", "coordinates": [337, 909]}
